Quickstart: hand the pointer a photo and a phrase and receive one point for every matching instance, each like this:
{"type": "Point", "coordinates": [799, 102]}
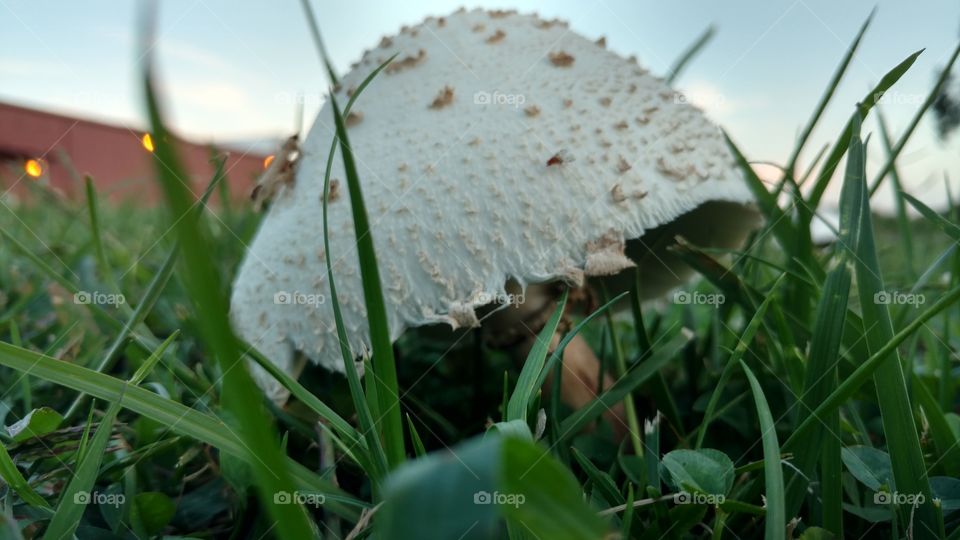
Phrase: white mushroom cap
{"type": "Point", "coordinates": [496, 146]}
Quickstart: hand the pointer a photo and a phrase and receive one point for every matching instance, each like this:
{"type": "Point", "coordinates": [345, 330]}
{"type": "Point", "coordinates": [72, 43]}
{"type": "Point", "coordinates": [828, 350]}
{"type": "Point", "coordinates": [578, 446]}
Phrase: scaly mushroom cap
{"type": "Point", "coordinates": [495, 146]}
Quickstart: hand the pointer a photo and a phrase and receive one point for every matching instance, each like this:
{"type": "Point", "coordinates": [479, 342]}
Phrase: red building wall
{"type": "Point", "coordinates": [114, 156]}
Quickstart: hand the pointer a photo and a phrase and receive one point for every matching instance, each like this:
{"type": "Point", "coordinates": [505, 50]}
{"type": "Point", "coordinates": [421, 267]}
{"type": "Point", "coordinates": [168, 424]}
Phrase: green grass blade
{"type": "Point", "coordinates": [903, 442]}
{"type": "Point", "coordinates": [915, 121]}
{"type": "Point", "coordinates": [384, 364]}
{"type": "Point", "coordinates": [339, 424]}
{"type": "Point", "coordinates": [11, 475]}
{"type": "Point", "coordinates": [602, 482]}
{"type": "Point", "coordinates": [852, 382]}
{"type": "Point", "coordinates": [636, 376]}
{"type": "Point", "coordinates": [663, 398]}
{"type": "Point", "coordinates": [903, 220]}
{"type": "Point", "coordinates": [689, 54]}
{"type": "Point", "coordinates": [143, 308]}
{"type": "Point", "coordinates": [948, 226]}
{"type": "Point", "coordinates": [827, 95]}
{"type": "Point", "coordinates": [557, 353]}
{"type": "Point", "coordinates": [843, 142]}
{"type": "Point", "coordinates": [96, 235]}
{"type": "Point", "coordinates": [620, 368]}
{"type": "Point", "coordinates": [318, 40]}
{"type": "Point", "coordinates": [778, 222]}
{"type": "Point", "coordinates": [743, 343]}
{"type": "Point", "coordinates": [533, 368]}
{"type": "Point", "coordinates": [75, 497]}
{"type": "Point", "coordinates": [181, 419]}
{"type": "Point", "coordinates": [946, 443]}
{"type": "Point", "coordinates": [775, 520]}
{"type": "Point", "coordinates": [377, 456]}
{"type": "Point", "coordinates": [821, 370]}
{"type": "Point", "coordinates": [418, 448]}
{"type": "Point", "coordinates": [202, 282]}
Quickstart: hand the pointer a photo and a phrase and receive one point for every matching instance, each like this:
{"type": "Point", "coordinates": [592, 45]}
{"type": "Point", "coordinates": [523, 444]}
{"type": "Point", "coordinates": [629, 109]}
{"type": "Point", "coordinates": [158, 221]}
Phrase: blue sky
{"type": "Point", "coordinates": [233, 69]}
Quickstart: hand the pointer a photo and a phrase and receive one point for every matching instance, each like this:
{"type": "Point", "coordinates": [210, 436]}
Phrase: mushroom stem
{"type": "Point", "coordinates": [580, 379]}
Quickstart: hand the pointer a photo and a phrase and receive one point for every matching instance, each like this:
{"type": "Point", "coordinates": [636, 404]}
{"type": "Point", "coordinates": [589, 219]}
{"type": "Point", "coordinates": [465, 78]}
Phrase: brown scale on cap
{"type": "Point", "coordinates": [560, 158]}
{"type": "Point", "coordinates": [353, 118]}
{"type": "Point", "coordinates": [497, 36]}
{"type": "Point", "coordinates": [477, 28]}
{"type": "Point", "coordinates": [621, 125]}
{"type": "Point", "coordinates": [616, 193]}
{"type": "Point", "coordinates": [532, 111]}
{"type": "Point", "coordinates": [622, 165]}
{"type": "Point", "coordinates": [334, 191]}
{"type": "Point", "coordinates": [561, 59]}
{"type": "Point", "coordinates": [501, 13]}
{"type": "Point", "coordinates": [406, 63]}
{"type": "Point", "coordinates": [605, 101]}
{"type": "Point", "coordinates": [602, 42]}
{"type": "Point", "coordinates": [444, 98]}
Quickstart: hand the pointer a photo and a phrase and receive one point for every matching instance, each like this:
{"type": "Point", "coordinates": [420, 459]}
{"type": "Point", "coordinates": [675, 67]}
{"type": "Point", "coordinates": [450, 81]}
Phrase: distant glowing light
{"type": "Point", "coordinates": [147, 142]}
{"type": "Point", "coordinates": [33, 168]}
{"type": "Point", "coordinates": [267, 161]}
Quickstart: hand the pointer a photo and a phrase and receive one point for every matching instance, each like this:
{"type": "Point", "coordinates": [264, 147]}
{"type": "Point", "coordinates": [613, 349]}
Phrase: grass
{"type": "Point", "coordinates": [808, 404]}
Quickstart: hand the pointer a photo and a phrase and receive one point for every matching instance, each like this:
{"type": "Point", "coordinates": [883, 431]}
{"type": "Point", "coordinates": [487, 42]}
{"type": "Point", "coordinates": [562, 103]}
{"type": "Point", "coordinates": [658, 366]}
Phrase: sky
{"type": "Point", "coordinates": [234, 70]}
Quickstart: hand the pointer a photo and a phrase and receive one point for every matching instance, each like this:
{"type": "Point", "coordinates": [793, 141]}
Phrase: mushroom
{"type": "Point", "coordinates": [469, 194]}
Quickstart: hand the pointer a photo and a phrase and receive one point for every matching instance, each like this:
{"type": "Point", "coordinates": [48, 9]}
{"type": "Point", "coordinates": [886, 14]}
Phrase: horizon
{"type": "Point", "coordinates": [235, 76]}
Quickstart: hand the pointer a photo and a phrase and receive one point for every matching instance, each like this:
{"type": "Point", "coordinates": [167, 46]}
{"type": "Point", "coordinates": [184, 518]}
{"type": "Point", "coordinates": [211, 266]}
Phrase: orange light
{"type": "Point", "coordinates": [267, 161]}
{"type": "Point", "coordinates": [33, 168]}
{"type": "Point", "coordinates": [147, 142]}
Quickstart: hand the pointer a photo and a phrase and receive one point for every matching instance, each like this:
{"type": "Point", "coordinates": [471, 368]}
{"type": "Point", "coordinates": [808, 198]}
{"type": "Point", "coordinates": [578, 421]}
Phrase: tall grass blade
{"type": "Point", "coordinates": [915, 121]}
{"type": "Point", "coordinates": [202, 282]}
{"type": "Point", "coordinates": [75, 497]}
{"type": "Point", "coordinates": [384, 364]}
{"type": "Point", "coordinates": [775, 520]}
{"type": "Point", "coordinates": [827, 95]}
{"type": "Point", "coordinates": [903, 442]}
{"type": "Point", "coordinates": [318, 41]}
{"type": "Point", "coordinates": [843, 142]}
{"type": "Point", "coordinates": [181, 419]}
{"type": "Point", "coordinates": [689, 54]}
{"type": "Point", "coordinates": [533, 368]}
{"type": "Point", "coordinates": [743, 343]}
{"type": "Point", "coordinates": [636, 376]}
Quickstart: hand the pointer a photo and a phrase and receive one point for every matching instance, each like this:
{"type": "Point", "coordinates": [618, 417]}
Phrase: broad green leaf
{"type": "Point", "coordinates": [705, 471]}
{"type": "Point", "coordinates": [36, 423]}
{"type": "Point", "coordinates": [474, 489]}
{"type": "Point", "coordinates": [153, 510]}
{"type": "Point", "coordinates": [870, 466]}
